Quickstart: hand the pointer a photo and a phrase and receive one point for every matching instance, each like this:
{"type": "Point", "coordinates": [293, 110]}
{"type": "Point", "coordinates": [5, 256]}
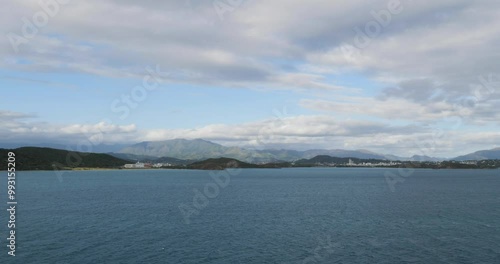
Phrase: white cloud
{"type": "Point", "coordinates": [446, 41]}
{"type": "Point", "coordinates": [429, 57]}
{"type": "Point", "coordinates": [294, 132]}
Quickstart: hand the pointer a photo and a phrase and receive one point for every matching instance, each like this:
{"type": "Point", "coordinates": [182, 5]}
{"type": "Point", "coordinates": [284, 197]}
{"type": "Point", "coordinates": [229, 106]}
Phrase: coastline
{"type": "Point", "coordinates": [261, 168]}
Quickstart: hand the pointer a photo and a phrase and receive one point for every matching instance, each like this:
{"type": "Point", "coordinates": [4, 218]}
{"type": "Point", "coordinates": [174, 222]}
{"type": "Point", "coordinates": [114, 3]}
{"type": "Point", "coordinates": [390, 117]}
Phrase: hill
{"type": "Point", "coordinates": [34, 158]}
{"type": "Point", "coordinates": [342, 153]}
{"type": "Point", "coordinates": [325, 159]}
{"type": "Point", "coordinates": [492, 154]}
{"type": "Point", "coordinates": [220, 164]}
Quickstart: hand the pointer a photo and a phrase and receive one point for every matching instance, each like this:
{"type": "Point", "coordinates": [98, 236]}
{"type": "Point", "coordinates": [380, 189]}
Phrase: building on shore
{"type": "Point", "coordinates": [141, 165]}
{"type": "Point", "coordinates": [138, 165]}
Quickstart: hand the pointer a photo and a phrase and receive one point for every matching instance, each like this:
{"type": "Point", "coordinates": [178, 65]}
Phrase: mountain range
{"type": "Point", "coordinates": [481, 155]}
{"type": "Point", "coordinates": [199, 149]}
{"type": "Point", "coordinates": [184, 151]}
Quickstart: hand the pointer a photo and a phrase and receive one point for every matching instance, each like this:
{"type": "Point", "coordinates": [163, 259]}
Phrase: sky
{"type": "Point", "coordinates": [396, 77]}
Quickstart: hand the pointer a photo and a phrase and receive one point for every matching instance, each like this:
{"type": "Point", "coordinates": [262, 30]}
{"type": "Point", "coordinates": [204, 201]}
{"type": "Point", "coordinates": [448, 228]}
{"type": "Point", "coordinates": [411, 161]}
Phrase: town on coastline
{"type": "Point", "coordinates": [146, 165]}
{"type": "Point", "coordinates": [319, 161]}
{"type": "Point", "coordinates": [33, 158]}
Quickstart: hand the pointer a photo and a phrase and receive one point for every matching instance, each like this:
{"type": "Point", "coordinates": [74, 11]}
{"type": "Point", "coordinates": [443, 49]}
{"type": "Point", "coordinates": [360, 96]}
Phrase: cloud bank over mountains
{"type": "Point", "coordinates": [302, 132]}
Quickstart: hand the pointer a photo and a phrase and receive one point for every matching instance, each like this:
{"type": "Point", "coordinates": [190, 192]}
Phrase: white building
{"type": "Point", "coordinates": [138, 165]}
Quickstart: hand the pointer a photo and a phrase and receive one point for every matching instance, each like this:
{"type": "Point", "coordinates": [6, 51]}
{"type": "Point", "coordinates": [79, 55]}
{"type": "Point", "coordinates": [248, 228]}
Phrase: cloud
{"type": "Point", "coordinates": [291, 132]}
{"type": "Point", "coordinates": [389, 109]}
{"type": "Point", "coordinates": [294, 131]}
{"type": "Point", "coordinates": [24, 128]}
{"type": "Point", "coordinates": [291, 127]}
{"type": "Point", "coordinates": [96, 35]}
{"type": "Point", "coordinates": [435, 60]}
{"type": "Point", "coordinates": [7, 116]}
{"type": "Point", "coordinates": [445, 42]}
{"type": "Point", "coordinates": [450, 55]}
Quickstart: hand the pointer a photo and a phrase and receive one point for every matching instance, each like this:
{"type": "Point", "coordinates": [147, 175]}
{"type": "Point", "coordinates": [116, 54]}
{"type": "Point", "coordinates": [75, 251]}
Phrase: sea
{"type": "Point", "coordinates": [293, 215]}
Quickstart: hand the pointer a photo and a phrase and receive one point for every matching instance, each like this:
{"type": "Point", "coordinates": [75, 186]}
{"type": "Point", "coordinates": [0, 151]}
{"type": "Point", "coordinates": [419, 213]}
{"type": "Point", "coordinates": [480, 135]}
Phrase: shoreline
{"type": "Point", "coordinates": [193, 169]}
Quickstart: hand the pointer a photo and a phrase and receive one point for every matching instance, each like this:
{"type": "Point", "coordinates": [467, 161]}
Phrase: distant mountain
{"type": "Point", "coordinates": [394, 157]}
{"type": "Point", "coordinates": [183, 151]}
{"type": "Point", "coordinates": [179, 148]}
{"type": "Point", "coordinates": [278, 155]}
{"type": "Point", "coordinates": [132, 157]}
{"type": "Point", "coordinates": [293, 155]}
{"type": "Point", "coordinates": [34, 158]}
{"type": "Point", "coordinates": [150, 159]}
{"type": "Point", "coordinates": [481, 155]}
{"type": "Point", "coordinates": [173, 161]}
{"type": "Point", "coordinates": [200, 149]}
{"type": "Point", "coordinates": [197, 149]}
{"type": "Point", "coordinates": [342, 153]}
{"type": "Point", "coordinates": [424, 158]}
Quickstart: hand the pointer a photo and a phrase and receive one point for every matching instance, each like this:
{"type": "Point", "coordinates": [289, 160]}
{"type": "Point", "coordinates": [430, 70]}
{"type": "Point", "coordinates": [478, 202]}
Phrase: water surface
{"type": "Point", "coordinates": [328, 215]}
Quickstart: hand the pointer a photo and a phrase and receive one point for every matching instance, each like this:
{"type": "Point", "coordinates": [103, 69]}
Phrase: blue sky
{"type": "Point", "coordinates": [179, 105]}
{"type": "Point", "coordinates": [383, 76]}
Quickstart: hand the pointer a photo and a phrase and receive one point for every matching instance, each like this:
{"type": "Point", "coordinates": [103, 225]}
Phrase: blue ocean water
{"type": "Point", "coordinates": [314, 215]}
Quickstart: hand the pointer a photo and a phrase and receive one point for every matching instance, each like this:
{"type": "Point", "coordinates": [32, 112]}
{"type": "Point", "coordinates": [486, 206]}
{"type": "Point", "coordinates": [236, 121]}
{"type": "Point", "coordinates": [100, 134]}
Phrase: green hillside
{"type": "Point", "coordinates": [33, 158]}
{"type": "Point", "coordinates": [220, 164]}
{"type": "Point", "coordinates": [324, 159]}
{"type": "Point", "coordinates": [197, 149]}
